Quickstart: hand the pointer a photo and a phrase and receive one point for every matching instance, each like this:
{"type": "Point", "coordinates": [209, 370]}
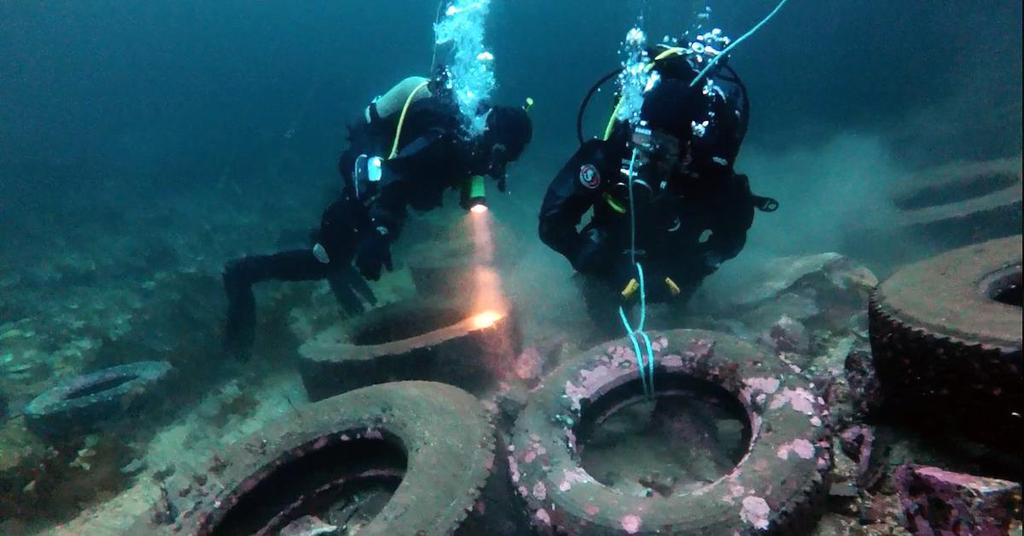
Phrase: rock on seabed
{"type": "Point", "coordinates": [936, 501]}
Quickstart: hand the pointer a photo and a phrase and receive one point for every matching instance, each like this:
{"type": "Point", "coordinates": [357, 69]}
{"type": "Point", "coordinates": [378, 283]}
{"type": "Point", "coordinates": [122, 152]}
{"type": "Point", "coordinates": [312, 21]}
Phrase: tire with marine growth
{"type": "Point", "coordinates": [412, 340]}
{"type": "Point", "coordinates": [964, 203]}
{"type": "Point", "coordinates": [946, 339]}
{"type": "Point", "coordinates": [88, 401]}
{"type": "Point", "coordinates": [778, 486]}
{"type": "Point", "coordinates": [942, 208]}
{"type": "Point", "coordinates": [432, 444]}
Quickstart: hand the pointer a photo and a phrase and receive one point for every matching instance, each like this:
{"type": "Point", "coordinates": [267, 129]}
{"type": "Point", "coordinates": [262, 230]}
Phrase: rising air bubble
{"type": "Point", "coordinates": [469, 65]}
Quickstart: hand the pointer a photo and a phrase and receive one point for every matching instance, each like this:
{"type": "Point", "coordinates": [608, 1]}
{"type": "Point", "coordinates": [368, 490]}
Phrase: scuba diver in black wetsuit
{"type": "Point", "coordinates": [691, 209]}
{"type": "Point", "coordinates": [408, 149]}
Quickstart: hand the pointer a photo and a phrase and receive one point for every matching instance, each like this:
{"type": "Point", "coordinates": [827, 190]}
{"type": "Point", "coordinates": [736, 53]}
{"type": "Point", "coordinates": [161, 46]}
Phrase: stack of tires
{"type": "Point", "coordinates": [445, 469]}
{"type": "Point", "coordinates": [946, 340]}
{"type": "Point", "coordinates": [943, 208]}
{"type": "Point", "coordinates": [390, 453]}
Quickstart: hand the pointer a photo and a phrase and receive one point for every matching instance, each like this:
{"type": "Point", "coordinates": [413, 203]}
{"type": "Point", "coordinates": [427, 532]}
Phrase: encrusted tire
{"type": "Point", "coordinates": [442, 276]}
{"type": "Point", "coordinates": [952, 206]}
{"type": "Point", "coordinates": [965, 203]}
{"type": "Point", "coordinates": [435, 438]}
{"type": "Point", "coordinates": [946, 348]}
{"type": "Point", "coordinates": [88, 401]}
{"type": "Point", "coordinates": [778, 486]}
{"type": "Point", "coordinates": [412, 340]}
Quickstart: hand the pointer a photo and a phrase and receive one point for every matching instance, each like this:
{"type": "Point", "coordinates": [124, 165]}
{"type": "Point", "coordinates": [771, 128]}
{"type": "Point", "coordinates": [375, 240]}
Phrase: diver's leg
{"type": "Point", "coordinates": [240, 329]}
{"type": "Point", "coordinates": [602, 304]}
{"type": "Point", "coordinates": [239, 277]}
{"type": "Point", "coordinates": [350, 289]}
{"type": "Point", "coordinates": [295, 265]}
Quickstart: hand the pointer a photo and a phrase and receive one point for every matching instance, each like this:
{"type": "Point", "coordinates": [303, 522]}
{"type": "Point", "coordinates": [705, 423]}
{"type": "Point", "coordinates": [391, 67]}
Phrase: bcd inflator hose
{"type": "Point", "coordinates": [646, 368]}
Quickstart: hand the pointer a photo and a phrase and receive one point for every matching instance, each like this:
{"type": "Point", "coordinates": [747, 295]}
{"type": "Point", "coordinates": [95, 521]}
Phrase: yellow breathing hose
{"type": "Point", "coordinates": [611, 120]}
{"type": "Point", "coordinates": [401, 119]}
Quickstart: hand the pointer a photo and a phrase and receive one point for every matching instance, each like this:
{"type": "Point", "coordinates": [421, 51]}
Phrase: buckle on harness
{"type": "Point", "coordinates": [765, 204]}
{"type": "Point", "coordinates": [630, 289]}
{"type": "Point", "coordinates": [673, 288]}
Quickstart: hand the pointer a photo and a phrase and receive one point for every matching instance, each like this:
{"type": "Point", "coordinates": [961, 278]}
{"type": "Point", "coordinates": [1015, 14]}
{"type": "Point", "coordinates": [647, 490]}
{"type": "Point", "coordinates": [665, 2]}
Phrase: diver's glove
{"type": "Point", "coordinates": [374, 253]}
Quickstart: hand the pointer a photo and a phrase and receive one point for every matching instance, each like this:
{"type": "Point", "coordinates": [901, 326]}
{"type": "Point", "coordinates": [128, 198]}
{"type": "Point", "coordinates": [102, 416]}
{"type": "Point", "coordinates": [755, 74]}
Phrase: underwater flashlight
{"type": "Point", "coordinates": [474, 195]}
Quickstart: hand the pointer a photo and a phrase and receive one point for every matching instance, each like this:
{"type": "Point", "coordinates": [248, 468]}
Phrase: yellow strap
{"type": "Point", "coordinates": [614, 204]}
{"type": "Point", "coordinates": [672, 286]}
{"type": "Point", "coordinates": [669, 51]}
{"type": "Point", "coordinates": [611, 120]}
{"type": "Point", "coordinates": [401, 119]}
{"type": "Point", "coordinates": [630, 289]}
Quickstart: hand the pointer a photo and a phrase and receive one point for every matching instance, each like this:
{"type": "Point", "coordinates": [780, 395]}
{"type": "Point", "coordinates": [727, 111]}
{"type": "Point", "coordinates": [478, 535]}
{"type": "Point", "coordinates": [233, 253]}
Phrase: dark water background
{"type": "Point", "coordinates": [114, 103]}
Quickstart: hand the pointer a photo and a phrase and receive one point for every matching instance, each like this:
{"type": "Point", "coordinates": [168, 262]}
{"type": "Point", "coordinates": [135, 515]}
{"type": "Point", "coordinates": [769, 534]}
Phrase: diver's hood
{"type": "Point", "coordinates": [671, 107]}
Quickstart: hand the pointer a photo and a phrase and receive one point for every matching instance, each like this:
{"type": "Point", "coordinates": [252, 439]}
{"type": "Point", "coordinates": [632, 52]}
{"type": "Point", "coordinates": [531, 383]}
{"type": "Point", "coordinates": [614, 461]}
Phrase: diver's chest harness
{"type": "Point", "coordinates": [370, 176]}
{"type": "Point", "coordinates": [660, 193]}
{"type": "Point", "coordinates": [654, 200]}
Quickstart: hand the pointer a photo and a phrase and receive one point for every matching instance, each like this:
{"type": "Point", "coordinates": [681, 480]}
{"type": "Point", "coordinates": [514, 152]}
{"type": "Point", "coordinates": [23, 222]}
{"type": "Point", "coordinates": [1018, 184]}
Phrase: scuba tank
{"type": "Point", "coordinates": [368, 169]}
{"type": "Point", "coordinates": [409, 90]}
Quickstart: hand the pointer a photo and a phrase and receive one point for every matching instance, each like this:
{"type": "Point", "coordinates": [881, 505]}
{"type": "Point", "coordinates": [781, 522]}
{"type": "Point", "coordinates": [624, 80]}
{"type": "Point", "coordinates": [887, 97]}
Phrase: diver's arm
{"type": "Point", "coordinates": [723, 245]}
{"type": "Point", "coordinates": [567, 199]}
{"type": "Point", "coordinates": [337, 234]}
{"type": "Point", "coordinates": [729, 237]}
{"type": "Point", "coordinates": [384, 222]}
{"type": "Point", "coordinates": [388, 210]}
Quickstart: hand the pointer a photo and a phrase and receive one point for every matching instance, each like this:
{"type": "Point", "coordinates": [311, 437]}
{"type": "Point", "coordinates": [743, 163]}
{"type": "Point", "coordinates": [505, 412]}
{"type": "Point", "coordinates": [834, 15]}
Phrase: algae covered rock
{"type": "Point", "coordinates": [936, 501]}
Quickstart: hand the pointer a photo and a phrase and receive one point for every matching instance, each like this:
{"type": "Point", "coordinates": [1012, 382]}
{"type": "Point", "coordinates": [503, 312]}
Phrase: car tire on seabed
{"type": "Point", "coordinates": [432, 444]}
{"type": "Point", "coordinates": [941, 208]}
{"type": "Point", "coordinates": [778, 486]}
{"type": "Point", "coordinates": [89, 401]}
{"type": "Point", "coordinates": [416, 339]}
{"type": "Point", "coordinates": [946, 338]}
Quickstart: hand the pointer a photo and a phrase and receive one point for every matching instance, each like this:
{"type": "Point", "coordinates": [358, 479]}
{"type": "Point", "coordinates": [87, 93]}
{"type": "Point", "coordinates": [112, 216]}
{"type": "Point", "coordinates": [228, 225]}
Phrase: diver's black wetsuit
{"type": "Point", "coordinates": [684, 230]}
{"type": "Point", "coordinates": [431, 158]}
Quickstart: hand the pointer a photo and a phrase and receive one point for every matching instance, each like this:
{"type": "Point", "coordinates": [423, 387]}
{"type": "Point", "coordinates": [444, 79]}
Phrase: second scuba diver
{"type": "Point", "coordinates": [409, 148]}
{"type": "Point", "coordinates": [691, 210]}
